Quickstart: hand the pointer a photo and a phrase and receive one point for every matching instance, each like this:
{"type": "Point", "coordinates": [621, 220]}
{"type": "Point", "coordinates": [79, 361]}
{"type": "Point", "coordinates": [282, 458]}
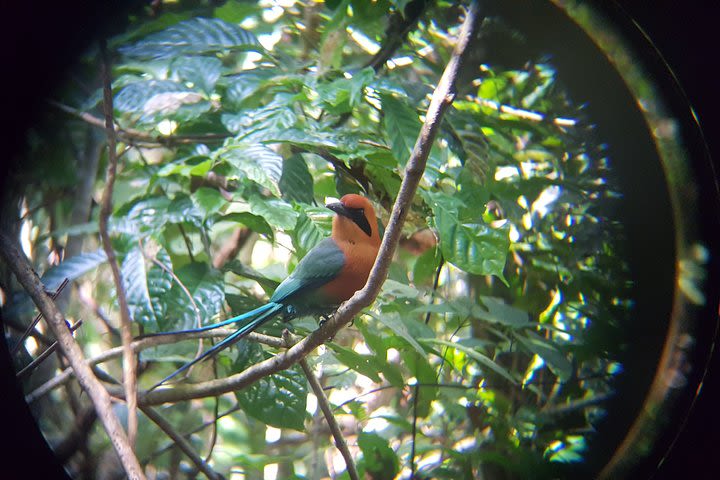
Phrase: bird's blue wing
{"type": "Point", "coordinates": [323, 263]}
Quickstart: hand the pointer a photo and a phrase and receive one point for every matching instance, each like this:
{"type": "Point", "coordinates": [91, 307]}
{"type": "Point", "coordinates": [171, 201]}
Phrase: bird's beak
{"type": "Point", "coordinates": [338, 208]}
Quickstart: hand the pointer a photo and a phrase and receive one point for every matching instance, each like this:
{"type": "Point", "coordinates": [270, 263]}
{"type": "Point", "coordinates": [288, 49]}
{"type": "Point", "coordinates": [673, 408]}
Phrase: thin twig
{"type": "Point", "coordinates": [330, 419]}
{"type": "Point", "coordinates": [129, 363]}
{"type": "Point", "coordinates": [37, 318]}
{"type": "Point", "coordinates": [182, 286]}
{"type": "Point", "coordinates": [143, 344]}
{"type": "Point", "coordinates": [138, 137]}
{"type": "Point", "coordinates": [180, 441]}
{"type": "Point", "coordinates": [44, 355]}
{"type": "Point", "coordinates": [27, 277]}
{"type": "Point", "coordinates": [41, 338]}
{"type": "Point", "coordinates": [213, 435]}
{"type": "Point", "coordinates": [98, 311]}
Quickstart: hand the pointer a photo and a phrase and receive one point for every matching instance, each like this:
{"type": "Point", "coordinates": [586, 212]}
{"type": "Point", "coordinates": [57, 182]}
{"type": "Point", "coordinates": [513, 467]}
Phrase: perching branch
{"type": "Point", "coordinates": [441, 100]}
{"type": "Point", "coordinates": [140, 345]}
{"type": "Point", "coordinates": [129, 361]}
{"type": "Point", "coordinates": [330, 418]}
{"type": "Point", "coordinates": [27, 277]}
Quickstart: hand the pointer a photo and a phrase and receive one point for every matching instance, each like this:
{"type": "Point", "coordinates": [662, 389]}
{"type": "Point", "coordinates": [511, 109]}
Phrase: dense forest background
{"type": "Point", "coordinates": [492, 347]}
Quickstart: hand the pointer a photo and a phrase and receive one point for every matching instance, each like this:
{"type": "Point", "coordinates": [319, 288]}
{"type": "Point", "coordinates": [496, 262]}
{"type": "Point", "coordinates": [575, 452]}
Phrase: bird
{"type": "Point", "coordinates": [329, 274]}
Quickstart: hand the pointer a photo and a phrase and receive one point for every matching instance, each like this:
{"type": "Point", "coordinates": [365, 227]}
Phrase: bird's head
{"type": "Point", "coordinates": [355, 220]}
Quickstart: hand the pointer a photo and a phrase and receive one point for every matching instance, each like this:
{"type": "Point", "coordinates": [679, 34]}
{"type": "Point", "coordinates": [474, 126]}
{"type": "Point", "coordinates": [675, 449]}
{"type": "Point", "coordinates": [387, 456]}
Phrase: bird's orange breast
{"type": "Point", "coordinates": [359, 260]}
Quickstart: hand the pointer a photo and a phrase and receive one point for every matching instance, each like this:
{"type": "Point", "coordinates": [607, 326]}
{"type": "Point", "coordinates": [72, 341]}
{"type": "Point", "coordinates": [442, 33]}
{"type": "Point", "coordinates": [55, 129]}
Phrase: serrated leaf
{"type": "Point", "coordinates": [473, 247]}
{"type": "Point", "coordinates": [296, 182]}
{"type": "Point", "coordinates": [278, 399]}
{"type": "Point", "coordinates": [482, 359]}
{"type": "Point", "coordinates": [402, 127]}
{"type": "Point", "coordinates": [197, 36]}
{"type": "Point", "coordinates": [201, 72]}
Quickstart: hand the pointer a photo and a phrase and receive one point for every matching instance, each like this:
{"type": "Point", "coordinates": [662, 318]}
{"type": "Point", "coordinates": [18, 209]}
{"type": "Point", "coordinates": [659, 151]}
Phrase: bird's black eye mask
{"type": "Point", "coordinates": [357, 215]}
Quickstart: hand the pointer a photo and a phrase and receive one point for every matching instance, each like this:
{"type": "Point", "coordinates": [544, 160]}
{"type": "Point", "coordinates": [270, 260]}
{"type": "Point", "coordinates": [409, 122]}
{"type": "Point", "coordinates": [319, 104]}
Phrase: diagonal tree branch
{"type": "Point", "coordinates": [400, 25]}
{"type": "Point", "coordinates": [27, 277]}
{"type": "Point", "coordinates": [441, 99]}
{"type": "Point", "coordinates": [142, 344]}
{"type": "Point", "coordinates": [330, 418]}
{"type": "Point", "coordinates": [129, 363]}
{"type": "Point", "coordinates": [180, 441]}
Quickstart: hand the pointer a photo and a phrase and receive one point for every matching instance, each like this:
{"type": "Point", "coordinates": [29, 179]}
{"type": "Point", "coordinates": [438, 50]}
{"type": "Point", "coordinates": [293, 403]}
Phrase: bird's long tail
{"type": "Point", "coordinates": [257, 317]}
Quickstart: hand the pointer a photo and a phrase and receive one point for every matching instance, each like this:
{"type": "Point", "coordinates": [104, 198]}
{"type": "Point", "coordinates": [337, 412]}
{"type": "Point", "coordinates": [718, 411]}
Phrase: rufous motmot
{"type": "Point", "coordinates": [329, 274]}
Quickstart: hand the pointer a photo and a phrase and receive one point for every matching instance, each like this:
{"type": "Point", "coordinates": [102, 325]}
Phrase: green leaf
{"type": "Point", "coordinates": [378, 460]}
{"type": "Point", "coordinates": [207, 289]}
{"type": "Point", "coordinates": [73, 268]}
{"type": "Point", "coordinates": [398, 289]}
{"type": "Point", "coordinates": [363, 364]}
{"type": "Point", "coordinates": [395, 323]}
{"type": "Point", "coordinates": [278, 399]}
{"type": "Point", "coordinates": [209, 201]}
{"type": "Point", "coordinates": [198, 36]}
{"type": "Point", "coordinates": [473, 247]}
{"type": "Point", "coordinates": [263, 123]}
{"type": "Point", "coordinates": [306, 235]}
{"type": "Point", "coordinates": [496, 311]}
{"type": "Point", "coordinates": [553, 357]}
{"type": "Point", "coordinates": [201, 72]}
{"type": "Point", "coordinates": [419, 367]}
{"type": "Point", "coordinates": [257, 163]}
{"type": "Point", "coordinates": [151, 100]}
{"type": "Point", "coordinates": [475, 355]}
{"type": "Point", "coordinates": [296, 182]}
{"type": "Point", "coordinates": [255, 223]}
{"type": "Point", "coordinates": [426, 266]}
{"type": "Point", "coordinates": [402, 127]}
{"type": "Point", "coordinates": [146, 286]}
{"type": "Point", "coordinates": [195, 165]}
{"type": "Point", "coordinates": [242, 270]}
{"type": "Point", "coordinates": [334, 97]}
{"type": "Point", "coordinates": [276, 212]}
